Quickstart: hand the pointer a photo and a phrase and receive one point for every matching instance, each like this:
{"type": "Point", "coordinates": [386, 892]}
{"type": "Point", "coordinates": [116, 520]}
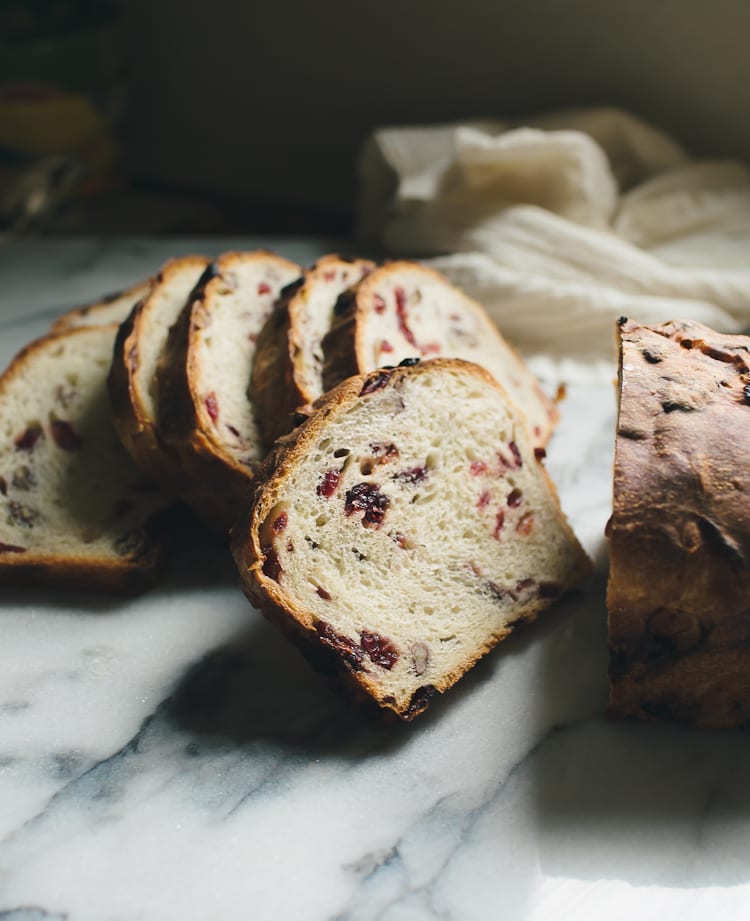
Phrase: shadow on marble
{"type": "Point", "coordinates": [649, 804]}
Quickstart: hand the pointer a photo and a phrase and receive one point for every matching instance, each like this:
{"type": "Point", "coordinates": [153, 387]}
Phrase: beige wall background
{"type": "Point", "coordinates": [270, 101]}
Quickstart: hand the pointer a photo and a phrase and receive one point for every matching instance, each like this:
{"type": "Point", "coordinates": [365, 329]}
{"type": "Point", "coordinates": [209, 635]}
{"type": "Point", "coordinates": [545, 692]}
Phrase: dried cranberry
{"type": "Point", "coordinates": [326, 596]}
{"type": "Point", "coordinates": [379, 303]}
{"type": "Point", "coordinates": [385, 346]}
{"type": "Point", "coordinates": [271, 565]}
{"type": "Point", "coordinates": [516, 454]}
{"type": "Point", "coordinates": [279, 523]}
{"type": "Point", "coordinates": [540, 453]}
{"type": "Point", "coordinates": [375, 381]}
{"type": "Point", "coordinates": [411, 475]}
{"type": "Point", "coordinates": [11, 548]}
{"type": "Point", "coordinates": [420, 701]}
{"type": "Point", "coordinates": [351, 652]}
{"type": "Point", "coordinates": [367, 498]}
{"type": "Point", "coordinates": [432, 348]}
{"type": "Point", "coordinates": [379, 649]}
{"type": "Point", "coordinates": [483, 500]}
{"type": "Point", "coordinates": [26, 440]}
{"type": "Point", "coordinates": [514, 498]}
{"type": "Point", "coordinates": [212, 406]}
{"type": "Point", "coordinates": [264, 288]}
{"type": "Point", "coordinates": [401, 313]}
{"type": "Point", "coordinates": [65, 435]}
{"type": "Point", "coordinates": [329, 483]}
{"type": "Point", "coordinates": [477, 467]}
{"type": "Point", "coordinates": [499, 522]}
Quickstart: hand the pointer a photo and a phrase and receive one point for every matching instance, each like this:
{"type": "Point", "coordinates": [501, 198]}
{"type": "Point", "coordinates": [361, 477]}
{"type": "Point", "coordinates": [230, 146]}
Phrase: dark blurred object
{"type": "Point", "coordinates": [60, 83]}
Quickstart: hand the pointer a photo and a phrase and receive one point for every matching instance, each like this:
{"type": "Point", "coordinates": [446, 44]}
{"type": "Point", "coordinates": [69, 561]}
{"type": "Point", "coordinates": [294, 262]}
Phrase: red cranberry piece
{"type": "Point", "coordinates": [385, 346]}
{"type": "Point", "coordinates": [379, 303]}
{"type": "Point", "coordinates": [540, 453]}
{"type": "Point", "coordinates": [271, 565]}
{"type": "Point", "coordinates": [514, 498]}
{"type": "Point", "coordinates": [420, 701]}
{"type": "Point", "coordinates": [432, 348]}
{"type": "Point", "coordinates": [28, 438]}
{"type": "Point", "coordinates": [477, 467]}
{"type": "Point", "coordinates": [499, 522]}
{"type": "Point", "coordinates": [212, 406]}
{"type": "Point", "coordinates": [65, 435]}
{"type": "Point", "coordinates": [329, 483]}
{"type": "Point", "coordinates": [375, 381]}
{"type": "Point", "coordinates": [411, 475]}
{"type": "Point", "coordinates": [264, 288]}
{"type": "Point", "coordinates": [379, 649]}
{"type": "Point", "coordinates": [403, 324]}
{"type": "Point", "coordinates": [279, 523]}
{"type": "Point", "coordinates": [367, 498]}
{"type": "Point", "coordinates": [484, 499]}
{"type": "Point", "coordinates": [516, 454]}
{"type": "Point", "coordinates": [11, 548]}
{"type": "Point", "coordinates": [326, 596]}
{"type": "Point", "coordinates": [351, 652]}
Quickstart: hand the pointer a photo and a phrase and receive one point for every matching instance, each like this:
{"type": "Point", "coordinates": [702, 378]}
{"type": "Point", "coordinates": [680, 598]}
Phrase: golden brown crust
{"type": "Point", "coordinates": [266, 593]}
{"type": "Point", "coordinates": [679, 614]}
{"type": "Point", "coordinates": [130, 574]}
{"type": "Point", "coordinates": [135, 425]}
{"type": "Point", "coordinates": [214, 482]}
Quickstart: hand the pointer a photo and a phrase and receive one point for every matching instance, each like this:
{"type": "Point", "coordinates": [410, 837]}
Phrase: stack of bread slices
{"type": "Point", "coordinates": [401, 524]}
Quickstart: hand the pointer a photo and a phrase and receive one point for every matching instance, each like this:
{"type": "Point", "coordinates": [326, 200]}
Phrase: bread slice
{"type": "Point", "coordinates": [679, 581]}
{"type": "Point", "coordinates": [75, 511]}
{"type": "Point", "coordinates": [132, 380]}
{"type": "Point", "coordinates": [204, 375]}
{"type": "Point", "coordinates": [406, 528]}
{"type": "Point", "coordinates": [111, 309]}
{"type": "Point", "coordinates": [288, 370]}
{"type": "Point", "coordinates": [404, 310]}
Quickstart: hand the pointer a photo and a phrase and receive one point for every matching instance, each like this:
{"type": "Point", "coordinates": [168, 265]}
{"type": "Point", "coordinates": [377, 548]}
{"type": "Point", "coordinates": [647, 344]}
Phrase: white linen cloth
{"type": "Point", "coordinates": [562, 223]}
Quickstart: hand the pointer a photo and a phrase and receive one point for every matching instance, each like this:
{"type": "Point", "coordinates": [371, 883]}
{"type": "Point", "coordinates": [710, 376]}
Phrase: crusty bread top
{"type": "Point", "coordinates": [407, 526]}
{"type": "Point", "coordinates": [111, 309]}
{"type": "Point", "coordinates": [402, 310]}
{"type": "Point", "coordinates": [73, 503]}
{"type": "Point", "coordinates": [680, 481]}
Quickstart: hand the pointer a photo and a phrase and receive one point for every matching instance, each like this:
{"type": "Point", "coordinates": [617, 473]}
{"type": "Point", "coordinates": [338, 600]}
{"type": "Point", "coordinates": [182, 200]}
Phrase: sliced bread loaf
{"type": "Point", "coordinates": [679, 536]}
{"type": "Point", "coordinates": [111, 309]}
{"type": "Point", "coordinates": [288, 370]}
{"type": "Point", "coordinates": [406, 528]}
{"type": "Point", "coordinates": [132, 380]}
{"type": "Point", "coordinates": [204, 375]}
{"type": "Point", "coordinates": [404, 310]}
{"type": "Point", "coordinates": [75, 511]}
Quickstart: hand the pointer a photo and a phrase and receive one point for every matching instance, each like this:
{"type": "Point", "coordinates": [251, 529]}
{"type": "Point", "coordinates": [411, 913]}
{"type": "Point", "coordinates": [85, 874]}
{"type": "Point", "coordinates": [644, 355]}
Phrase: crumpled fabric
{"type": "Point", "coordinates": [562, 223]}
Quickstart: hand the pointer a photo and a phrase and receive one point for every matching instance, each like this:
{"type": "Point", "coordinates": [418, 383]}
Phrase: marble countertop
{"type": "Point", "coordinates": [171, 757]}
